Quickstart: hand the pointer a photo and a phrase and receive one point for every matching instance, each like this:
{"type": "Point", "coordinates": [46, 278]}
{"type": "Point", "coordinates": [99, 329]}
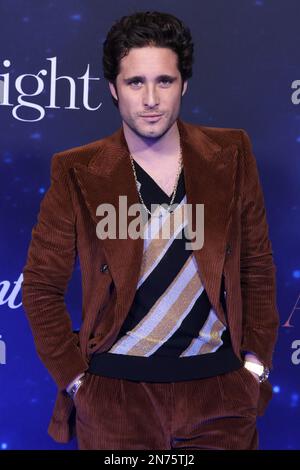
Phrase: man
{"type": "Point", "coordinates": [176, 340]}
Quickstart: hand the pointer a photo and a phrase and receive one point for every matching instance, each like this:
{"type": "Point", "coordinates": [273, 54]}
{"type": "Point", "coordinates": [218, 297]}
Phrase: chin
{"type": "Point", "coordinates": [152, 134]}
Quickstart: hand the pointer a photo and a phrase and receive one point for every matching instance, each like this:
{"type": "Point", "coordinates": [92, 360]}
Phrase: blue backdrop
{"type": "Point", "coordinates": [246, 75]}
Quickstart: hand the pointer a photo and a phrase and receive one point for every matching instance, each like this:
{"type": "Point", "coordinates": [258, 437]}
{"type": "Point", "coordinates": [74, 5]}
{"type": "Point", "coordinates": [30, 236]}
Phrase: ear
{"type": "Point", "coordinates": [185, 84]}
{"type": "Point", "coordinates": [113, 90]}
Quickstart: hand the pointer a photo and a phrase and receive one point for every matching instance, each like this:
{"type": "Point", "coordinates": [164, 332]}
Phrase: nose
{"type": "Point", "coordinates": [150, 98]}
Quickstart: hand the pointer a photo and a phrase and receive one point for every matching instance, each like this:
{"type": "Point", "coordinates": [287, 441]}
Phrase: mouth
{"type": "Point", "coordinates": [149, 117]}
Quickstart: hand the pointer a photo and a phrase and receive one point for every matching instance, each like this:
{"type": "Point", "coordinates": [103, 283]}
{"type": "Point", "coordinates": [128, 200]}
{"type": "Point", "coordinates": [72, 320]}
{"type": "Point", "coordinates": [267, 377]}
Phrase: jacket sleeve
{"type": "Point", "coordinates": [257, 269]}
{"type": "Point", "coordinates": [49, 266]}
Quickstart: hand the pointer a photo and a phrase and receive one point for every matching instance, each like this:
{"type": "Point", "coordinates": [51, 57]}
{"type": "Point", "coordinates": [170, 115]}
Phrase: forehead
{"type": "Point", "coordinates": [149, 59]}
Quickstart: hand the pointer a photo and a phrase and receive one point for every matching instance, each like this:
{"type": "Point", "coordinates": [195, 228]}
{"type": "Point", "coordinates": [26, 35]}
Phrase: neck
{"type": "Point", "coordinates": [145, 148]}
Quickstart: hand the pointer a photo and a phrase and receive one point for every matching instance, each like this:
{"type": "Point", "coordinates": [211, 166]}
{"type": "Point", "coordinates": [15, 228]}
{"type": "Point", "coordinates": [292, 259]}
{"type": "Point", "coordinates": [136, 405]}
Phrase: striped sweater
{"type": "Point", "coordinates": [171, 332]}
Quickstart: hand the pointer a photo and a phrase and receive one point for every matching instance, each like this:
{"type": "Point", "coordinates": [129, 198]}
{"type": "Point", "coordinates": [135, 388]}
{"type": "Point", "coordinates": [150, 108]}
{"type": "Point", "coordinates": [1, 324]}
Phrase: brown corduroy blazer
{"type": "Point", "coordinates": [220, 172]}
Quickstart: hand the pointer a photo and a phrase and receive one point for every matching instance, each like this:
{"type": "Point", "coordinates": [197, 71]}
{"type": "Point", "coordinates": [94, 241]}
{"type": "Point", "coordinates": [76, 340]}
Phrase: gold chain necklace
{"type": "Point", "coordinates": [174, 189]}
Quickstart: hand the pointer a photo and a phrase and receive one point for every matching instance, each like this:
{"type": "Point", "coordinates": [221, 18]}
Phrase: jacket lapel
{"type": "Point", "coordinates": [209, 173]}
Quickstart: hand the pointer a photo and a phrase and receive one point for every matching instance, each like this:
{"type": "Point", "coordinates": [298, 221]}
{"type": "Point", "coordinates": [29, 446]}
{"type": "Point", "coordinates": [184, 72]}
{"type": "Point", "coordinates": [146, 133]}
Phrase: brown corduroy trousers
{"type": "Point", "coordinates": [212, 413]}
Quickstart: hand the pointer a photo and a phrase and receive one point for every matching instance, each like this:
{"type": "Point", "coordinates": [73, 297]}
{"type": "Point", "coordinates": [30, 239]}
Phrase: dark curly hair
{"type": "Point", "coordinates": [150, 28]}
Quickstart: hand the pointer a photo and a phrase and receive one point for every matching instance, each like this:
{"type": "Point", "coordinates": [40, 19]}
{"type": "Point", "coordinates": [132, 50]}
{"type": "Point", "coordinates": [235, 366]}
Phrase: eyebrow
{"type": "Point", "coordinates": [141, 78]}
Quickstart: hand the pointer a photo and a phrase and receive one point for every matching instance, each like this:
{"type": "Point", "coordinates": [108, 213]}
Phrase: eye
{"type": "Point", "coordinates": [166, 81]}
{"type": "Point", "coordinates": [135, 83]}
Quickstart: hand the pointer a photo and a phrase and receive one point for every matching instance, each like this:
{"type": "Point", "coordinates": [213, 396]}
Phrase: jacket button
{"type": "Point", "coordinates": [228, 249]}
{"type": "Point", "coordinates": [104, 268]}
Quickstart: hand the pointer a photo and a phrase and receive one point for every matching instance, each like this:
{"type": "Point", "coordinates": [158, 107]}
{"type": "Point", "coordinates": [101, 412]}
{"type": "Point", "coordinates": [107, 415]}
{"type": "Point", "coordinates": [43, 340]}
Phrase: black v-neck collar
{"type": "Point", "coordinates": [152, 187]}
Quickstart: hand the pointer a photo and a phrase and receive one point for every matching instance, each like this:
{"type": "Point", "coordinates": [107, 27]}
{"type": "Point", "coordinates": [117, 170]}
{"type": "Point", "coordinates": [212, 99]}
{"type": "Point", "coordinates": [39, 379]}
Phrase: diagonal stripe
{"type": "Point", "coordinates": [153, 224]}
{"type": "Point", "coordinates": [209, 338]}
{"type": "Point", "coordinates": [189, 328]}
{"type": "Point", "coordinates": [165, 316]}
{"type": "Point", "coordinates": [155, 250]}
{"type": "Point", "coordinates": [215, 341]}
